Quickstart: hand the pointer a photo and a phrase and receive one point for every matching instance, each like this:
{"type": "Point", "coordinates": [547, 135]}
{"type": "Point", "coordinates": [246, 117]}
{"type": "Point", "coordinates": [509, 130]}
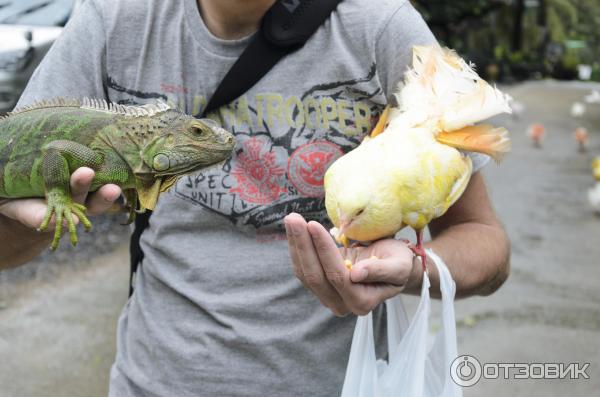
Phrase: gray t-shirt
{"type": "Point", "coordinates": [217, 310]}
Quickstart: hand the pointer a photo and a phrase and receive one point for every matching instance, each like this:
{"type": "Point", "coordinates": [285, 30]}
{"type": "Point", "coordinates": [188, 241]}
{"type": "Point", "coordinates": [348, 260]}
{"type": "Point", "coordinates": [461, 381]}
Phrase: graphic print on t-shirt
{"type": "Point", "coordinates": [260, 179]}
{"type": "Point", "coordinates": [285, 143]}
{"type": "Point", "coordinates": [307, 166]}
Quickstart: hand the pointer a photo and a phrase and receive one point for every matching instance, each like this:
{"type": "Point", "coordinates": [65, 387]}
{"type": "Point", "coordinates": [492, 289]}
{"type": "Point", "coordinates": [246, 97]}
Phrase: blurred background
{"type": "Point", "coordinates": [515, 40]}
{"type": "Point", "coordinates": [58, 314]}
{"type": "Point", "coordinates": [27, 30]}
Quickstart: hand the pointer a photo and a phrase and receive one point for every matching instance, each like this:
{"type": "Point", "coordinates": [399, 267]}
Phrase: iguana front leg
{"type": "Point", "coordinates": [60, 159]}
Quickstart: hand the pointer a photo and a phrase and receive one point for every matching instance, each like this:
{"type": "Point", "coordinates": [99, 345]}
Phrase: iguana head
{"type": "Point", "coordinates": [179, 144]}
{"type": "Point", "coordinates": [186, 144]}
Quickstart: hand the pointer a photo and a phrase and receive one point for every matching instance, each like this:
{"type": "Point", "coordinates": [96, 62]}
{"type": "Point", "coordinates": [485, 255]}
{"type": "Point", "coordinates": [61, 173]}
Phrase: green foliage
{"type": "Point", "coordinates": [570, 60]}
{"type": "Point", "coordinates": [587, 28]}
{"type": "Point", "coordinates": [595, 72]}
{"type": "Point", "coordinates": [525, 38]}
{"type": "Point", "coordinates": [562, 18]}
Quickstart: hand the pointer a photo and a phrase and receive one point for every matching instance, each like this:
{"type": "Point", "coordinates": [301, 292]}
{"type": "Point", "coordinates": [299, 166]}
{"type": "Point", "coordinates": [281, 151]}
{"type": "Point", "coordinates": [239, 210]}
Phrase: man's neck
{"type": "Point", "coordinates": [233, 19]}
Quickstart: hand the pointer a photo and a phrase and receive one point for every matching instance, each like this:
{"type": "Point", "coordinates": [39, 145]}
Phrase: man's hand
{"type": "Point", "coordinates": [20, 218]}
{"type": "Point", "coordinates": [468, 237]}
{"type": "Point", "coordinates": [30, 212]}
{"type": "Point", "coordinates": [380, 271]}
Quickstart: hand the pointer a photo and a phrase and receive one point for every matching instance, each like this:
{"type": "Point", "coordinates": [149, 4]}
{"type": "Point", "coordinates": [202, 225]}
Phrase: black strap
{"type": "Point", "coordinates": [286, 26]}
{"type": "Point", "coordinates": [136, 255]}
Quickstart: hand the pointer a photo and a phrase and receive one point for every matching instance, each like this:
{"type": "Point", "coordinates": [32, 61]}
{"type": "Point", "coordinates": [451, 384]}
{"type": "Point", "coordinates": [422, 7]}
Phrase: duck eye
{"type": "Point", "coordinates": [360, 211]}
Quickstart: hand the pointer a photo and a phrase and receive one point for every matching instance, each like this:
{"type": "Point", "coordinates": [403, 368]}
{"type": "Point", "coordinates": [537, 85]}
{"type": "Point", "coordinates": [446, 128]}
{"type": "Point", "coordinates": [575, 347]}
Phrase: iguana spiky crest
{"type": "Point", "coordinates": [99, 105]}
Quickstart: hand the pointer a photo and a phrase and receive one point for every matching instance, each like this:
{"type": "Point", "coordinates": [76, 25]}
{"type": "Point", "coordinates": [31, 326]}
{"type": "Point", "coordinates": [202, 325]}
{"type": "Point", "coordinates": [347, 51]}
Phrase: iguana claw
{"type": "Point", "coordinates": [64, 208]}
{"type": "Point", "coordinates": [131, 198]}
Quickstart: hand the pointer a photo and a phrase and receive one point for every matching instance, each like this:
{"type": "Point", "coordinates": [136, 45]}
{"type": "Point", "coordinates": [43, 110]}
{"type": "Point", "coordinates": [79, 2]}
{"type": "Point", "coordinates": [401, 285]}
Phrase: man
{"type": "Point", "coordinates": [216, 309]}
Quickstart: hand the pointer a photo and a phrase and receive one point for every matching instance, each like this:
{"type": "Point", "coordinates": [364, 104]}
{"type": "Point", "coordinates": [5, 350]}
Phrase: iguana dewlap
{"type": "Point", "coordinates": [142, 149]}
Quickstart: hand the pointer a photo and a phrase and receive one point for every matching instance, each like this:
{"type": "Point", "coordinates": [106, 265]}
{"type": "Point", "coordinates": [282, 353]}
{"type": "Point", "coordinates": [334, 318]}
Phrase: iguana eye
{"type": "Point", "coordinates": [199, 131]}
{"type": "Point", "coordinates": [160, 162]}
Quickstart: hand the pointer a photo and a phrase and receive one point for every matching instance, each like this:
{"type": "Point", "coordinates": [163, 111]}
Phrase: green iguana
{"type": "Point", "coordinates": [142, 149]}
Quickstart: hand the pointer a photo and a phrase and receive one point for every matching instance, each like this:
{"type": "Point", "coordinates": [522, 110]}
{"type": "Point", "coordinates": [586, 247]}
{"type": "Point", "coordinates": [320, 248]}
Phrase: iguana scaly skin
{"type": "Point", "coordinates": [142, 149]}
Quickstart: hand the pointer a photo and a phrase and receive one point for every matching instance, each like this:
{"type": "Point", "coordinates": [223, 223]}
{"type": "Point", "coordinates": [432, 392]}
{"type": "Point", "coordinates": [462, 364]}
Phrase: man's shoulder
{"type": "Point", "coordinates": [373, 9]}
{"type": "Point", "coordinates": [370, 13]}
{"type": "Point", "coordinates": [366, 19]}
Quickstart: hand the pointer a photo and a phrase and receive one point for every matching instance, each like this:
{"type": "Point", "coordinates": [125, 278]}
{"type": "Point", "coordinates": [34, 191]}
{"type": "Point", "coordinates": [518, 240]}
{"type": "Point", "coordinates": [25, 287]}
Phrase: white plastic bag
{"type": "Point", "coordinates": [411, 371]}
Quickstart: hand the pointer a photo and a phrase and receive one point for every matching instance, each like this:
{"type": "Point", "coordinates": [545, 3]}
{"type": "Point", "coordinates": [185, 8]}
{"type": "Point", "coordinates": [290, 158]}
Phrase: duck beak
{"type": "Point", "coordinates": [344, 224]}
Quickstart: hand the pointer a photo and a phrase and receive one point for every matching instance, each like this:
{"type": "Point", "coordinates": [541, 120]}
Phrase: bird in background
{"type": "Point", "coordinates": [593, 97]}
{"type": "Point", "coordinates": [581, 137]}
{"type": "Point", "coordinates": [536, 132]}
{"type": "Point", "coordinates": [577, 109]}
{"type": "Point", "coordinates": [518, 109]}
{"type": "Point", "coordinates": [594, 198]}
{"type": "Point", "coordinates": [412, 168]}
{"type": "Point", "coordinates": [594, 193]}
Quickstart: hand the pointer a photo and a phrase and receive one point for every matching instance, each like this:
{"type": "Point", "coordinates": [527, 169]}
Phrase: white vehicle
{"type": "Point", "coordinates": [27, 30]}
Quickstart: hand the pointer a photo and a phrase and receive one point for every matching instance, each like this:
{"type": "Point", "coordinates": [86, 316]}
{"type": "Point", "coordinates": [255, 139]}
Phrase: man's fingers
{"type": "Point", "coordinates": [97, 202]}
{"type": "Point", "coordinates": [324, 272]}
{"type": "Point", "coordinates": [337, 274]}
{"type": "Point", "coordinates": [309, 269]}
{"type": "Point", "coordinates": [395, 271]}
{"type": "Point", "coordinates": [103, 199]}
{"type": "Point", "coordinates": [293, 252]}
{"type": "Point", "coordinates": [360, 298]}
{"type": "Point", "coordinates": [388, 291]}
{"type": "Point", "coordinates": [329, 255]}
{"type": "Point", "coordinates": [29, 212]}
{"type": "Point", "coordinates": [81, 180]}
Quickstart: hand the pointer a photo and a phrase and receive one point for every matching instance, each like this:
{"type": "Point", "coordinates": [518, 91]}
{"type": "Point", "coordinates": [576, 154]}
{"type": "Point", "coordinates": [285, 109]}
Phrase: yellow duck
{"type": "Point", "coordinates": [410, 170]}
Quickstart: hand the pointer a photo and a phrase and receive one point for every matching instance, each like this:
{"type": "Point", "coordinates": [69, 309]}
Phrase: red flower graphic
{"type": "Point", "coordinates": [259, 178]}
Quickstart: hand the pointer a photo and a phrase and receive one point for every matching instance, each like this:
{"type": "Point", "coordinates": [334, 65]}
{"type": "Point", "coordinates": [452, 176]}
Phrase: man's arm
{"type": "Point", "coordinates": [20, 243]}
{"type": "Point", "coordinates": [469, 238]}
{"type": "Point", "coordinates": [19, 219]}
{"type": "Point", "coordinates": [472, 242]}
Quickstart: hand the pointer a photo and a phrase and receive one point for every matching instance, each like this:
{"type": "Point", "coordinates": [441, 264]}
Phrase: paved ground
{"type": "Point", "coordinates": [57, 333]}
{"type": "Point", "coordinates": [549, 310]}
{"type": "Point", "coordinates": [57, 322]}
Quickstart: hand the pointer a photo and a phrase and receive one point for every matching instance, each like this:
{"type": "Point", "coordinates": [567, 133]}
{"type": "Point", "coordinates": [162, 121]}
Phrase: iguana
{"type": "Point", "coordinates": [142, 149]}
